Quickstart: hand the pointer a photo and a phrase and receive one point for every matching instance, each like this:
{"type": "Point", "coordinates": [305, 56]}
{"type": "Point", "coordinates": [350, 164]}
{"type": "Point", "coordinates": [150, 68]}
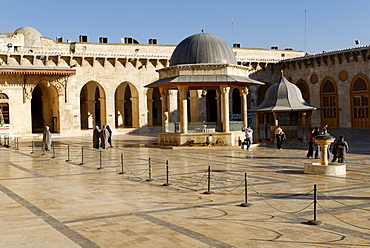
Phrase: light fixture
{"type": "Point", "coordinates": [6, 83]}
{"type": "Point", "coordinates": [48, 84]}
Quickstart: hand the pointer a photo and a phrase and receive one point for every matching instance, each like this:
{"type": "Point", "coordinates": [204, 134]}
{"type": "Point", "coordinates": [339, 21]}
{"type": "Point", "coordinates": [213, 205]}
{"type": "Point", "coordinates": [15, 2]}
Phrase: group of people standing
{"type": "Point", "coordinates": [102, 138]}
{"type": "Point", "coordinates": [338, 148]}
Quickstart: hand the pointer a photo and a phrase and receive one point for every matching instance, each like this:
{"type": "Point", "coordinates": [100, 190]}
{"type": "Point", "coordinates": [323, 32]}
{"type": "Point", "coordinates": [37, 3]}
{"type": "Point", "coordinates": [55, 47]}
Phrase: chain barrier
{"type": "Point", "coordinates": [342, 203]}
{"type": "Point", "coordinates": [286, 212]}
{"type": "Point", "coordinates": [182, 185]}
{"type": "Point", "coordinates": [336, 217]}
{"type": "Point", "coordinates": [222, 188]}
{"type": "Point", "coordinates": [271, 197]}
{"type": "Point", "coordinates": [135, 175]}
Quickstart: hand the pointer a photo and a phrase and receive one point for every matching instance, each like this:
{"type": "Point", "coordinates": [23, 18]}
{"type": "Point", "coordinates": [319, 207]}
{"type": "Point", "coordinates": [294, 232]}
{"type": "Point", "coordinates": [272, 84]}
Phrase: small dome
{"type": "Point", "coordinates": [32, 37]}
{"type": "Point", "coordinates": [284, 96]}
{"type": "Point", "coordinates": [202, 48]}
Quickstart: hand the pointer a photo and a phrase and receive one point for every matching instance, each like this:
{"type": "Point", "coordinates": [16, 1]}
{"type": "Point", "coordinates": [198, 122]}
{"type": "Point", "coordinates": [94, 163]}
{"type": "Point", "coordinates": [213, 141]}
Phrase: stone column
{"type": "Point", "coordinates": [183, 91]}
{"type": "Point", "coordinates": [243, 93]}
{"type": "Point", "coordinates": [194, 105]}
{"type": "Point", "coordinates": [150, 111]}
{"type": "Point", "coordinates": [164, 98]}
{"type": "Point", "coordinates": [276, 124]}
{"type": "Point", "coordinates": [172, 107]}
{"type": "Point", "coordinates": [135, 112]}
{"type": "Point", "coordinates": [225, 108]}
{"type": "Point", "coordinates": [304, 117]}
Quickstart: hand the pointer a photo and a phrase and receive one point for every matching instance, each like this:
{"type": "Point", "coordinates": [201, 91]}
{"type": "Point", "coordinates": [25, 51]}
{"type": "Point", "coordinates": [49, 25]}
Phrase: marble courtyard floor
{"type": "Point", "coordinates": [47, 201]}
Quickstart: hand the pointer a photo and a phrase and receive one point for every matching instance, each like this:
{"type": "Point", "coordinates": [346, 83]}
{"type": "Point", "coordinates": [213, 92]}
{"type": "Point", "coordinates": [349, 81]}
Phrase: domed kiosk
{"type": "Point", "coordinates": [285, 98]}
{"type": "Point", "coordinates": [201, 63]}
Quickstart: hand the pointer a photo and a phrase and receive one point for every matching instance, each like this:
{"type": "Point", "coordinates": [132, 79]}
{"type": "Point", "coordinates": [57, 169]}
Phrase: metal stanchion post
{"type": "Point", "coordinates": [150, 172]}
{"type": "Point", "coordinates": [314, 221]}
{"type": "Point", "coordinates": [17, 144]}
{"type": "Point", "coordinates": [209, 182]}
{"type": "Point", "coordinates": [82, 156]}
{"type": "Point", "coordinates": [246, 204]}
{"type": "Point", "coordinates": [68, 159]}
{"type": "Point", "coordinates": [122, 172]}
{"type": "Point", "coordinates": [100, 161]}
{"type": "Point", "coordinates": [167, 172]}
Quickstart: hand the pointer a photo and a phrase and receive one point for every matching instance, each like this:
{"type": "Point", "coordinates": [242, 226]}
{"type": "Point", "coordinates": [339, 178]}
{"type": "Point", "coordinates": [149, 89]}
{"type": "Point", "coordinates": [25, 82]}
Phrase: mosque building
{"type": "Point", "coordinates": [74, 86]}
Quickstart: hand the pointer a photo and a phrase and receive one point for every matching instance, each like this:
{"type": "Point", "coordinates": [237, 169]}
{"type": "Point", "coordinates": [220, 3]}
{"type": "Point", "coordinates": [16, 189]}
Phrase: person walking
{"type": "Point", "coordinates": [342, 149]}
{"type": "Point", "coordinates": [46, 139]}
{"type": "Point", "coordinates": [310, 143]}
{"type": "Point", "coordinates": [96, 137]}
{"type": "Point", "coordinates": [248, 137]}
{"type": "Point", "coordinates": [279, 134]}
{"type": "Point", "coordinates": [110, 136]}
{"type": "Point", "coordinates": [334, 150]}
{"type": "Point", "coordinates": [104, 135]}
{"type": "Point", "coordinates": [316, 146]}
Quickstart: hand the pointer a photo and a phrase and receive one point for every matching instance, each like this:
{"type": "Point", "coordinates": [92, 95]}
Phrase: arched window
{"type": "Point", "coordinates": [360, 102]}
{"type": "Point", "coordinates": [329, 103]}
{"type": "Point", "coordinates": [304, 90]}
{"type": "Point", "coordinates": [4, 109]}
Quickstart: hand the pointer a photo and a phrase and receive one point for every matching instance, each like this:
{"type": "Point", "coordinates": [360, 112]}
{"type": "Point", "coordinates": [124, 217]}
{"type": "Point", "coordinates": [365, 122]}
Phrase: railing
{"type": "Point", "coordinates": [204, 127]}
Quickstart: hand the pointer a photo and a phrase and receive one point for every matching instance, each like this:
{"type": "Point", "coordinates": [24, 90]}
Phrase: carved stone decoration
{"type": "Point", "coordinates": [343, 76]}
{"type": "Point", "coordinates": [28, 89]}
{"type": "Point", "coordinates": [314, 79]}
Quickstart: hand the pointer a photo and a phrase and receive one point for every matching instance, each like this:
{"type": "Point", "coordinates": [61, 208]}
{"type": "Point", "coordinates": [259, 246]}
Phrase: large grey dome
{"type": "Point", "coordinates": [202, 48]}
{"type": "Point", "coordinates": [32, 37]}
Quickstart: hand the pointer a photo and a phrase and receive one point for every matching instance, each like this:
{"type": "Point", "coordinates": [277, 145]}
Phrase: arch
{"type": "Point", "coordinates": [302, 85]}
{"type": "Point", "coordinates": [329, 102]}
{"type": "Point", "coordinates": [261, 93]}
{"type": "Point", "coordinates": [154, 107]}
{"type": "Point", "coordinates": [45, 107]}
{"type": "Point", "coordinates": [360, 93]}
{"type": "Point", "coordinates": [4, 109]}
{"type": "Point", "coordinates": [92, 105]}
{"type": "Point", "coordinates": [126, 106]}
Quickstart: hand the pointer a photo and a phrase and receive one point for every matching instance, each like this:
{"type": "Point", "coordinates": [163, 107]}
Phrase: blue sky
{"type": "Point", "coordinates": [330, 24]}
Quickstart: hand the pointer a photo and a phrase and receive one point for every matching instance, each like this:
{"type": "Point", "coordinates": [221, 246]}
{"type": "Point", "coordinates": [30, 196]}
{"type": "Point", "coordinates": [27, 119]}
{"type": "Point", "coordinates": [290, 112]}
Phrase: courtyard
{"type": "Point", "coordinates": [116, 197]}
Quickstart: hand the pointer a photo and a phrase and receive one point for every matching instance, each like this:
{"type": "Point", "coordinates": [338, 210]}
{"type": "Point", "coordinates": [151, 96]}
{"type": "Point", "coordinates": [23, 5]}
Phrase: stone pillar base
{"type": "Point", "coordinates": [330, 169]}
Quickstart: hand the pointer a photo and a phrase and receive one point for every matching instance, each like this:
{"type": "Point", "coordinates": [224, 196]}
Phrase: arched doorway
{"type": "Point", "coordinates": [45, 108]}
{"type": "Point", "coordinates": [126, 106]}
{"type": "Point", "coordinates": [329, 103]}
{"type": "Point", "coordinates": [360, 102]}
{"type": "Point", "coordinates": [4, 110]}
{"type": "Point", "coordinates": [92, 106]}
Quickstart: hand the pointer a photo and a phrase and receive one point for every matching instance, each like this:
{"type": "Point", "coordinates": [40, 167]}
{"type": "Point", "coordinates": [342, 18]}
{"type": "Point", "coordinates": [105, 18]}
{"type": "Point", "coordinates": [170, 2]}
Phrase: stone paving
{"type": "Point", "coordinates": [51, 202]}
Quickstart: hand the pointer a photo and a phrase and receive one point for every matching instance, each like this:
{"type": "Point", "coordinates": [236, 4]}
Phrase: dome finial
{"type": "Point", "coordinates": [202, 30]}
